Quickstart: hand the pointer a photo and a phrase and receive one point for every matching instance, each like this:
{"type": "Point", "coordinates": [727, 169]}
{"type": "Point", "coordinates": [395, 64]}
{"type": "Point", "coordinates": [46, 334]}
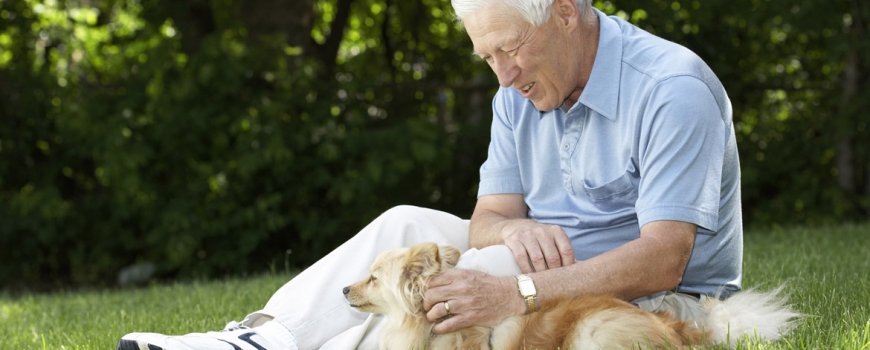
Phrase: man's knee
{"type": "Point", "coordinates": [404, 213]}
{"type": "Point", "coordinates": [403, 210]}
{"type": "Point", "coordinates": [416, 224]}
{"type": "Point", "coordinates": [682, 306]}
{"type": "Point", "coordinates": [497, 260]}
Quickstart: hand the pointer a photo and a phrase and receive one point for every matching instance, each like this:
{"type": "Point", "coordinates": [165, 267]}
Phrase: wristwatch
{"type": "Point", "coordinates": [528, 291]}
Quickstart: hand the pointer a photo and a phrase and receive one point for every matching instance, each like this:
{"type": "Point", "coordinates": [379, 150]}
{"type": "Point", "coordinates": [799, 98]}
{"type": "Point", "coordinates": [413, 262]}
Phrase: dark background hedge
{"type": "Point", "coordinates": [210, 137]}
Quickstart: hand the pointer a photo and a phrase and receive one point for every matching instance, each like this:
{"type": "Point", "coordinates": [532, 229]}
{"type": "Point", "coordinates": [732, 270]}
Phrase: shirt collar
{"type": "Point", "coordinates": [601, 93]}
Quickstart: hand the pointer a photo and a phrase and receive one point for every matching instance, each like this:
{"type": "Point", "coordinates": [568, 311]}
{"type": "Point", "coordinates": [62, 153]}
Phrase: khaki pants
{"type": "Point", "coordinates": [683, 306]}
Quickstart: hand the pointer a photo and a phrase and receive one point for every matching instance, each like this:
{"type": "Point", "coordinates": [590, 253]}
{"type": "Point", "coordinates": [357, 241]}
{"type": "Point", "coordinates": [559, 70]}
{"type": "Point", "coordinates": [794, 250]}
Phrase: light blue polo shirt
{"type": "Point", "coordinates": [651, 138]}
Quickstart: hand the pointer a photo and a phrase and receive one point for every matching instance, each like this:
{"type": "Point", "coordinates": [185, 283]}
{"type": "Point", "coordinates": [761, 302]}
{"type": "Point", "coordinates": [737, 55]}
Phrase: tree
{"type": "Point", "coordinates": [212, 136]}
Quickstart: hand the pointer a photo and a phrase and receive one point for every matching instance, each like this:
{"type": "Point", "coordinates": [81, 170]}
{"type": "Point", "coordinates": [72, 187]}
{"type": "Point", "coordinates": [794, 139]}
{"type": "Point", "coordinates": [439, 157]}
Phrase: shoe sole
{"type": "Point", "coordinates": [125, 344]}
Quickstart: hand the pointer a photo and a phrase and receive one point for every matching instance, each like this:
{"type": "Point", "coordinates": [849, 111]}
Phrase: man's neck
{"type": "Point", "coordinates": [589, 45]}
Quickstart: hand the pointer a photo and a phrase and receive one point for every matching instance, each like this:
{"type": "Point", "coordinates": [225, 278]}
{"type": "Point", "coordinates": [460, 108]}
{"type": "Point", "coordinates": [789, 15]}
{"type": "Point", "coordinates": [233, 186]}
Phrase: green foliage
{"type": "Point", "coordinates": [125, 147]}
{"type": "Point", "coordinates": [786, 68]}
{"type": "Point", "coordinates": [211, 137]}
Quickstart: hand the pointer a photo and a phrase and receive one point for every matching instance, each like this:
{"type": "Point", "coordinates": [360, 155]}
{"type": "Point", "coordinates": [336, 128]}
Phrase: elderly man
{"type": "Point", "coordinates": [612, 169]}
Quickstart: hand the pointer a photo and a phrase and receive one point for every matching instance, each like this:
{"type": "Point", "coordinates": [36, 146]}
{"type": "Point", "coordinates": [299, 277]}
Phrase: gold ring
{"type": "Point", "coordinates": [447, 307]}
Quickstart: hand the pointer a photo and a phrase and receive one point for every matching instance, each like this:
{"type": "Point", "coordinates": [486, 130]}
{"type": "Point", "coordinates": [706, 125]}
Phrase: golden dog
{"type": "Point", "coordinates": [399, 277]}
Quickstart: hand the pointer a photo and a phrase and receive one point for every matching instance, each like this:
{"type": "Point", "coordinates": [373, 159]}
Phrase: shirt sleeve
{"type": "Point", "coordinates": [500, 173]}
{"type": "Point", "coordinates": [681, 150]}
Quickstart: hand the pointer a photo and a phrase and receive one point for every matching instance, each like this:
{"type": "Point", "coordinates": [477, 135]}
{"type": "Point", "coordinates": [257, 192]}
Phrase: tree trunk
{"type": "Point", "coordinates": [844, 160]}
{"type": "Point", "coordinates": [329, 50]}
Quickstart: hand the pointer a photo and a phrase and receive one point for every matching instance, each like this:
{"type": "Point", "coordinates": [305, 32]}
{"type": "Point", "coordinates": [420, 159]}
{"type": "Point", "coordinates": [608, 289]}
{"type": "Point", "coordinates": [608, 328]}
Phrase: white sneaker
{"type": "Point", "coordinates": [233, 337]}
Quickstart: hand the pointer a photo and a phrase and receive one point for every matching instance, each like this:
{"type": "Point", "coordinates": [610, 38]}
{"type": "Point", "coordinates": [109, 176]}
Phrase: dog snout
{"type": "Point", "coordinates": [345, 290]}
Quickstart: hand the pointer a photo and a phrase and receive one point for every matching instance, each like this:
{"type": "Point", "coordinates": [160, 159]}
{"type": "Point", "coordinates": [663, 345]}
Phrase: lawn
{"type": "Point", "coordinates": [825, 270]}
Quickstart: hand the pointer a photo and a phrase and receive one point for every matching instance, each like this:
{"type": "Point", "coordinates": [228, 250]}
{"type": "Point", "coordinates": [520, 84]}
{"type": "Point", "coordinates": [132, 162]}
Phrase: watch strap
{"type": "Point", "coordinates": [532, 304]}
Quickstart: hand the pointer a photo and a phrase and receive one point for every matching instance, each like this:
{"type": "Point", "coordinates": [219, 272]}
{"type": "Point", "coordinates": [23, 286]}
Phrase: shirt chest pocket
{"type": "Point", "coordinates": [617, 194]}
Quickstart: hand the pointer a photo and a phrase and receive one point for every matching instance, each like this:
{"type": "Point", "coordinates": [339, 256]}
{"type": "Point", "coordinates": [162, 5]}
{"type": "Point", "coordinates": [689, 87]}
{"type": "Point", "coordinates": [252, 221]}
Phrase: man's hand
{"type": "Point", "coordinates": [475, 299]}
{"type": "Point", "coordinates": [536, 246]}
{"type": "Point", "coordinates": [502, 219]}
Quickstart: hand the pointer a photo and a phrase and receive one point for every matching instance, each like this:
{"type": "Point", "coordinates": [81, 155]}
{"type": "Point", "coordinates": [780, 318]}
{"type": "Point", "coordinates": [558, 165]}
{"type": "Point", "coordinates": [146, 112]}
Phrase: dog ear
{"type": "Point", "coordinates": [449, 254]}
{"type": "Point", "coordinates": [423, 260]}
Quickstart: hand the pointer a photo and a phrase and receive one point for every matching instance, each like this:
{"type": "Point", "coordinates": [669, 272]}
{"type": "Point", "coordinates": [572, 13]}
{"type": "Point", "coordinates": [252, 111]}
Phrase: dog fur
{"type": "Point", "coordinates": [399, 277]}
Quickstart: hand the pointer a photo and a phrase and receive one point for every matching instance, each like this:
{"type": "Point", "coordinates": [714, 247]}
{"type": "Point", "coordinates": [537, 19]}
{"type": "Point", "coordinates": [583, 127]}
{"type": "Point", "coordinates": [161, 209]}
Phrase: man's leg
{"type": "Point", "coordinates": [312, 305]}
{"type": "Point", "coordinates": [682, 306]}
{"type": "Point", "coordinates": [310, 309]}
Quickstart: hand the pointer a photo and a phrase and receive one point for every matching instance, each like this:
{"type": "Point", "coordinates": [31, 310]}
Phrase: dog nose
{"type": "Point", "coordinates": [346, 290]}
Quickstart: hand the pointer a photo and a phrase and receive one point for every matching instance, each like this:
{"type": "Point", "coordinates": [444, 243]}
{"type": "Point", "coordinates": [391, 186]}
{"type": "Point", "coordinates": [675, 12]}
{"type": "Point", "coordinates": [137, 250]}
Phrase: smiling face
{"type": "Point", "coordinates": [548, 64]}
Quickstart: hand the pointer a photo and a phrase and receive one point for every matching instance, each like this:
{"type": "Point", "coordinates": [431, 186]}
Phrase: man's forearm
{"type": "Point", "coordinates": [490, 217]}
{"type": "Point", "coordinates": [647, 265]}
{"type": "Point", "coordinates": [485, 229]}
{"type": "Point", "coordinates": [652, 263]}
{"type": "Point", "coordinates": [627, 272]}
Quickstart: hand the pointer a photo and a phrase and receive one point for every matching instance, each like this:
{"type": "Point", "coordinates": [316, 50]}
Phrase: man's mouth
{"type": "Point", "coordinates": [527, 87]}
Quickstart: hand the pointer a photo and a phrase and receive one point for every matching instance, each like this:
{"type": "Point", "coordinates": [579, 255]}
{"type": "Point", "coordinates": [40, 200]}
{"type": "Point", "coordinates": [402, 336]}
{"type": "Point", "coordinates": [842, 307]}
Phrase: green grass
{"type": "Point", "coordinates": [96, 319]}
{"type": "Point", "coordinates": [825, 270]}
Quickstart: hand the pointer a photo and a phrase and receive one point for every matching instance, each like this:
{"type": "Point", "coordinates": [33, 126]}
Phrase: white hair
{"type": "Point", "coordinates": [535, 12]}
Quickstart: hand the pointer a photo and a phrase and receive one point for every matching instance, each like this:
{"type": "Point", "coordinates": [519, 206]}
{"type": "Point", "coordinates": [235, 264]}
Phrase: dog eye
{"type": "Point", "coordinates": [372, 279]}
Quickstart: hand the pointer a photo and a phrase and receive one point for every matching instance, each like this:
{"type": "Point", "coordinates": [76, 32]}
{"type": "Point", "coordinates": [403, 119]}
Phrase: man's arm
{"type": "Point", "coordinates": [491, 214]}
{"type": "Point", "coordinates": [501, 219]}
{"type": "Point", "coordinates": [652, 263]}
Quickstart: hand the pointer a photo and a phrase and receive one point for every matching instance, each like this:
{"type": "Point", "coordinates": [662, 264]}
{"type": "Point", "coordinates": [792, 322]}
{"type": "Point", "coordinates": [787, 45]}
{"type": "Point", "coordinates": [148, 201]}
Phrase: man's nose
{"type": "Point", "coordinates": [506, 71]}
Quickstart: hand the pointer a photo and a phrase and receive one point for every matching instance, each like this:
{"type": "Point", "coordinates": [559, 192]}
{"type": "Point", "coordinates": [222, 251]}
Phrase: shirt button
{"type": "Point", "coordinates": [566, 146]}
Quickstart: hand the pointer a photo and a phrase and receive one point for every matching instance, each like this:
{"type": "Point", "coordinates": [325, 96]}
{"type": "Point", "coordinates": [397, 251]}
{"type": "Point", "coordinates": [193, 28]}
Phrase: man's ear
{"type": "Point", "coordinates": [423, 260]}
{"type": "Point", "coordinates": [449, 254]}
{"type": "Point", "coordinates": [567, 12]}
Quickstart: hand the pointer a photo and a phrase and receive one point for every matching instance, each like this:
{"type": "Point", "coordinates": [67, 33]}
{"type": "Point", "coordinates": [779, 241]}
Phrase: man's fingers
{"type": "Point", "coordinates": [548, 245]}
{"type": "Point", "coordinates": [563, 244]}
{"type": "Point", "coordinates": [521, 255]}
{"type": "Point", "coordinates": [534, 248]}
{"type": "Point", "coordinates": [451, 324]}
{"type": "Point", "coordinates": [477, 300]}
{"type": "Point", "coordinates": [539, 247]}
{"type": "Point", "coordinates": [441, 280]}
{"type": "Point", "coordinates": [439, 310]}
{"type": "Point", "coordinates": [536, 257]}
{"type": "Point", "coordinates": [431, 297]}
{"type": "Point", "coordinates": [435, 293]}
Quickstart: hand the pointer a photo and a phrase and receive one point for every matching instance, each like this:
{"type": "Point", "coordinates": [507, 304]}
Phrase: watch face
{"type": "Point", "coordinates": [527, 288]}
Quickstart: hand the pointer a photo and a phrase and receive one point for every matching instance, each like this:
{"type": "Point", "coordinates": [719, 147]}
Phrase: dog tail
{"type": "Point", "coordinates": [749, 316]}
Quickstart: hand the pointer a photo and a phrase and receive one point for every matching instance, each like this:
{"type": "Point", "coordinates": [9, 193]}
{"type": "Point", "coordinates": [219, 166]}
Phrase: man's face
{"type": "Point", "coordinates": [537, 61]}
